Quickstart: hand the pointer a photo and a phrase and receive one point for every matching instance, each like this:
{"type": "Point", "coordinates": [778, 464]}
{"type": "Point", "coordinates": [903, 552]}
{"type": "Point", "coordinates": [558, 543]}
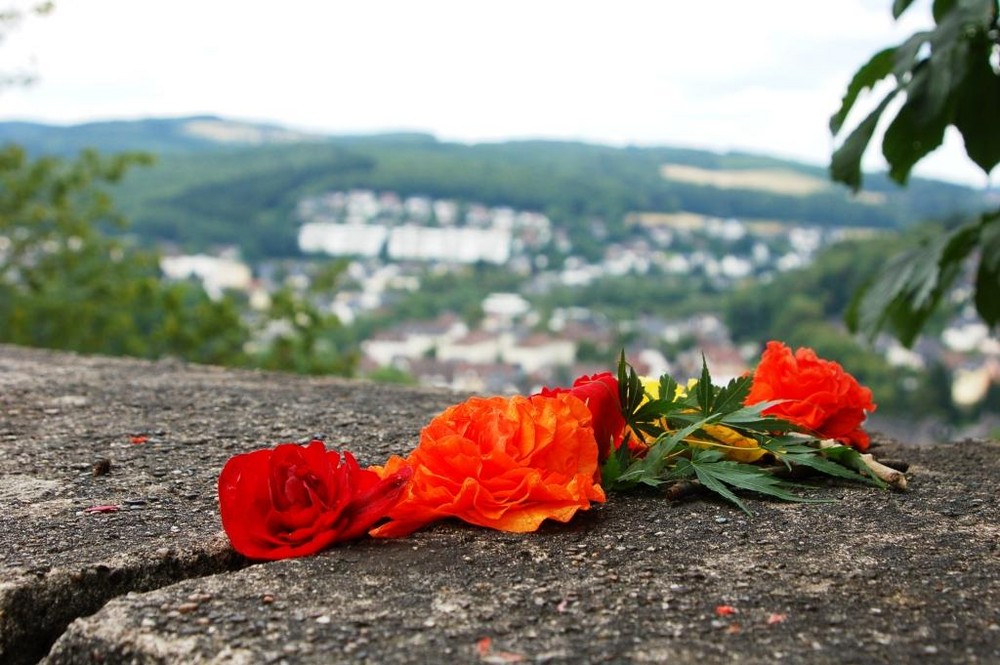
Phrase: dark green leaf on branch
{"type": "Point", "coordinates": [988, 274]}
{"type": "Point", "coordinates": [872, 72]}
{"type": "Point", "coordinates": [845, 165]}
{"type": "Point", "coordinates": [978, 107]}
{"type": "Point", "coordinates": [900, 6]}
{"type": "Point", "coordinates": [940, 9]}
{"type": "Point", "coordinates": [905, 293]}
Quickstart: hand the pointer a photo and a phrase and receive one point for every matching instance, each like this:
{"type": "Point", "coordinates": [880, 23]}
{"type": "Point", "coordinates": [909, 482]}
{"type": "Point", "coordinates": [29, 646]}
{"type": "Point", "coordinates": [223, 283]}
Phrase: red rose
{"type": "Point", "coordinates": [819, 395]}
{"type": "Point", "coordinates": [296, 500]}
{"type": "Point", "coordinates": [600, 393]}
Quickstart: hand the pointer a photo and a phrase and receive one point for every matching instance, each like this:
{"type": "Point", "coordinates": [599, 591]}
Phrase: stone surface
{"type": "Point", "coordinates": [877, 576]}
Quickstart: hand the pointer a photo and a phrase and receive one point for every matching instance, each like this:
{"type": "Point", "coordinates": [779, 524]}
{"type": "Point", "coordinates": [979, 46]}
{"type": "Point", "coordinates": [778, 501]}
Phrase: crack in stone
{"type": "Point", "coordinates": [34, 613]}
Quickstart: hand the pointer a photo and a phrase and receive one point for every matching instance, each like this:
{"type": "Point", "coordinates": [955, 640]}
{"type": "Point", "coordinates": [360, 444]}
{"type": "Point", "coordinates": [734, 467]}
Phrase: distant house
{"type": "Point", "coordinates": [476, 347]}
{"type": "Point", "coordinates": [410, 242]}
{"type": "Point", "coordinates": [385, 348]}
{"type": "Point", "coordinates": [414, 339]}
{"type": "Point", "coordinates": [343, 239]}
{"type": "Point", "coordinates": [216, 273]}
{"type": "Point", "coordinates": [970, 385]}
{"type": "Point", "coordinates": [539, 351]}
{"type": "Point", "coordinates": [723, 359]}
{"type": "Point", "coordinates": [477, 378]}
{"type": "Point", "coordinates": [502, 309]}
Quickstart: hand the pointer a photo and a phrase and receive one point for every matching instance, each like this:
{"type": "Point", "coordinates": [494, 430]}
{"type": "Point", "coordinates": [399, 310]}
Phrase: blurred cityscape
{"type": "Point", "coordinates": [392, 246]}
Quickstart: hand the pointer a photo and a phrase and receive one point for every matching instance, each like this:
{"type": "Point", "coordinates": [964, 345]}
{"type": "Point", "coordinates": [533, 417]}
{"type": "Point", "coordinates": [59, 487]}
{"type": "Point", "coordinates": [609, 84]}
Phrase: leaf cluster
{"type": "Point", "coordinates": [949, 77]}
{"type": "Point", "coordinates": [904, 294]}
{"type": "Point", "coordinates": [684, 434]}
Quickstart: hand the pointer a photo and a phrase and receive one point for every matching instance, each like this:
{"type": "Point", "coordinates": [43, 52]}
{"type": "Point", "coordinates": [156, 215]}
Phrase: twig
{"type": "Point", "coordinates": [886, 474]}
{"type": "Point", "coordinates": [681, 489]}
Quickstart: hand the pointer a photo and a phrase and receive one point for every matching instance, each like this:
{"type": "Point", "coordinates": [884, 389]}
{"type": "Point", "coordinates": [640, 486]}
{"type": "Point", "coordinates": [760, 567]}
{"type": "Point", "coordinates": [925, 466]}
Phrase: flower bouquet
{"type": "Point", "coordinates": [510, 463]}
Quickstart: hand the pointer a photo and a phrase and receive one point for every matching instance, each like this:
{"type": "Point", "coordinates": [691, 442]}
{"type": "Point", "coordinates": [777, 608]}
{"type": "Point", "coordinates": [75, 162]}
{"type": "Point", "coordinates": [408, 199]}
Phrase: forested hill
{"type": "Point", "coordinates": [222, 182]}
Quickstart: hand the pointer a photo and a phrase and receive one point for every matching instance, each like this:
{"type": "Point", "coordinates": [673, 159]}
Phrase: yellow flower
{"type": "Point", "coordinates": [734, 445]}
{"type": "Point", "coordinates": [728, 441]}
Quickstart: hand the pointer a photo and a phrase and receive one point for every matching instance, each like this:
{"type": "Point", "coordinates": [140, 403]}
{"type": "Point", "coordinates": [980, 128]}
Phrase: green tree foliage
{"type": "Point", "coordinates": [949, 76]}
{"type": "Point", "coordinates": [297, 336]}
{"type": "Point", "coordinates": [820, 292]}
{"type": "Point", "coordinates": [66, 284]}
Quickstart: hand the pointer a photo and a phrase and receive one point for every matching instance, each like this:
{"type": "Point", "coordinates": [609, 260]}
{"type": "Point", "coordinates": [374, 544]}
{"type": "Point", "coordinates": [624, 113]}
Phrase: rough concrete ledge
{"type": "Point", "coordinates": [875, 577]}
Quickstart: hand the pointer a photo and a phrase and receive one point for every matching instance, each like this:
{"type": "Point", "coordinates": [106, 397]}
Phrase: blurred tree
{"type": "Point", "coordinates": [950, 76]}
{"type": "Point", "coordinates": [296, 335]}
{"type": "Point", "coordinates": [65, 284]}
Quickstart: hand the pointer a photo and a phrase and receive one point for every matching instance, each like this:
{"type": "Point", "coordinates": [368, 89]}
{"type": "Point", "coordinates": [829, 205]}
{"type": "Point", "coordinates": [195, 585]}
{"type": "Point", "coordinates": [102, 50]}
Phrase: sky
{"type": "Point", "coordinates": [724, 75]}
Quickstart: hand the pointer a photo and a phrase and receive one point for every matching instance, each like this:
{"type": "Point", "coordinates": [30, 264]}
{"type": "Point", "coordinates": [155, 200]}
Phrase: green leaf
{"type": "Point", "coordinates": [905, 293]}
{"type": "Point", "coordinates": [732, 396]}
{"type": "Point", "coordinates": [629, 387]}
{"type": "Point", "coordinates": [872, 72]}
{"type": "Point", "coordinates": [668, 387]}
{"type": "Point", "coordinates": [908, 140]}
{"type": "Point", "coordinates": [704, 390]}
{"type": "Point", "coordinates": [941, 8]}
{"type": "Point", "coordinates": [616, 463]}
{"type": "Point", "coordinates": [988, 274]}
{"type": "Point", "coordinates": [815, 460]}
{"type": "Point", "coordinates": [715, 475]}
{"type": "Point", "coordinates": [751, 416]}
{"type": "Point", "coordinates": [909, 55]}
{"type": "Point", "coordinates": [851, 458]}
{"type": "Point", "coordinates": [706, 478]}
{"type": "Point", "coordinates": [789, 444]}
{"type": "Point", "coordinates": [845, 165]}
{"type": "Point", "coordinates": [919, 126]}
{"type": "Point", "coordinates": [652, 465]}
{"type": "Point", "coordinates": [900, 6]}
{"type": "Point", "coordinates": [978, 107]}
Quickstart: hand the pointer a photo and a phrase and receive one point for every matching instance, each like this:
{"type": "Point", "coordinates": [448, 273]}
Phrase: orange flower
{"type": "Point", "coordinates": [503, 463]}
{"type": "Point", "coordinates": [818, 394]}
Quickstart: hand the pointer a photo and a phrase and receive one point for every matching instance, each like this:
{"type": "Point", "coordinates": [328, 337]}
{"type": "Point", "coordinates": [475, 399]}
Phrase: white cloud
{"type": "Point", "coordinates": [762, 76]}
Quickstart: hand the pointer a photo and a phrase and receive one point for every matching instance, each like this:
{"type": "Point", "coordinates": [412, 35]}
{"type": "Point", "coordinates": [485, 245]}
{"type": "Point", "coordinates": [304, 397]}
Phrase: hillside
{"type": "Point", "coordinates": [225, 182]}
{"type": "Point", "coordinates": [155, 135]}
